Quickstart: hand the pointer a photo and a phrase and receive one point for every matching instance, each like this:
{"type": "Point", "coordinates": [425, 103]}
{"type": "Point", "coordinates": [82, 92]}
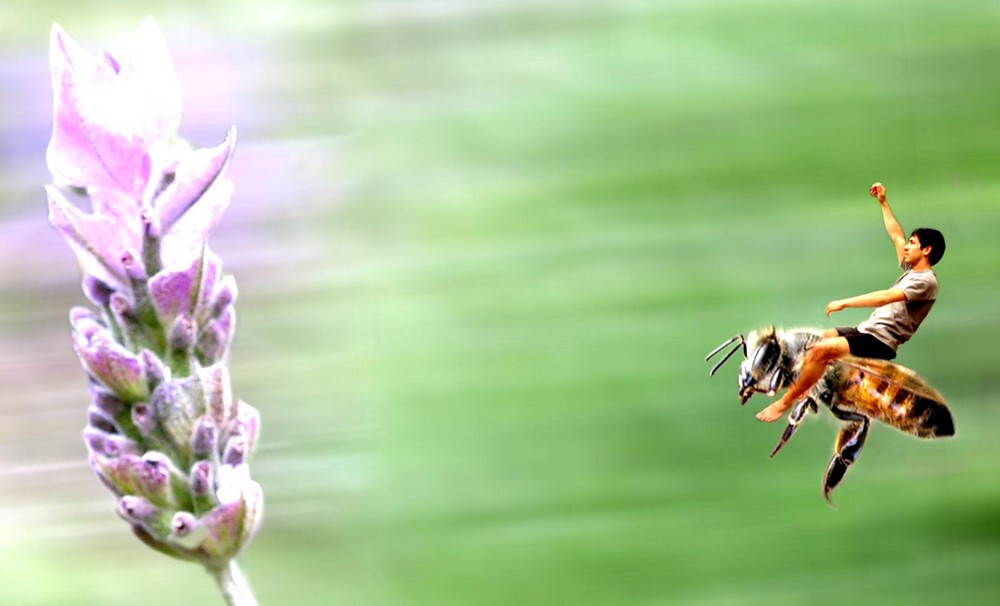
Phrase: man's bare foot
{"type": "Point", "coordinates": [773, 412]}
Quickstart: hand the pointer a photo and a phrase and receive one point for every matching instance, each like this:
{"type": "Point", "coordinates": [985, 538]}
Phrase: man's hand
{"type": "Point", "coordinates": [877, 191]}
{"type": "Point", "coordinates": [833, 306]}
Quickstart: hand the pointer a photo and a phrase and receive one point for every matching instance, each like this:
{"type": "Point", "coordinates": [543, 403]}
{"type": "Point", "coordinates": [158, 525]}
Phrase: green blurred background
{"type": "Point", "coordinates": [482, 250]}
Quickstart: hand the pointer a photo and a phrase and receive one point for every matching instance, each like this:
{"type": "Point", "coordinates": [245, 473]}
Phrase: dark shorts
{"type": "Point", "coordinates": [864, 345]}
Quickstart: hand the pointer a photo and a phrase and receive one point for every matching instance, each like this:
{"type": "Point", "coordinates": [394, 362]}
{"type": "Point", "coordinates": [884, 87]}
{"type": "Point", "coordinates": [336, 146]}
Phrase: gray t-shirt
{"type": "Point", "coordinates": [895, 323]}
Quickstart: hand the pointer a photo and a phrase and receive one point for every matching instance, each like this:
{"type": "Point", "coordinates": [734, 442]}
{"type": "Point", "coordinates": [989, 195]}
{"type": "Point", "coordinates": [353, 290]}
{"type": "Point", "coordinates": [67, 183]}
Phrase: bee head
{"type": "Point", "coordinates": [761, 371]}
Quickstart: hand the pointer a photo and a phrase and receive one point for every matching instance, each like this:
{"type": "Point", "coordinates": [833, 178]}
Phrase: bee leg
{"type": "Point", "coordinates": [800, 410]}
{"type": "Point", "coordinates": [850, 441]}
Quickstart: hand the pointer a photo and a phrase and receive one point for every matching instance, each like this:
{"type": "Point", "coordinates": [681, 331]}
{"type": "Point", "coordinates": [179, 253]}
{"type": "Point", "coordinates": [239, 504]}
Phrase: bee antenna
{"type": "Point", "coordinates": [726, 358]}
{"type": "Point", "coordinates": [725, 345]}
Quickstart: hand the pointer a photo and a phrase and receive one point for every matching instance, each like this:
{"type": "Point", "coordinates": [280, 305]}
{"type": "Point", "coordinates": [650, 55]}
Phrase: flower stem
{"type": "Point", "coordinates": [233, 584]}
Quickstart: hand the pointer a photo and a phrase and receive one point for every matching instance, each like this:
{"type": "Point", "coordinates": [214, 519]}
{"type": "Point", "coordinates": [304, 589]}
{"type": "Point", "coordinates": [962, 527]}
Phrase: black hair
{"type": "Point", "coordinates": [930, 237]}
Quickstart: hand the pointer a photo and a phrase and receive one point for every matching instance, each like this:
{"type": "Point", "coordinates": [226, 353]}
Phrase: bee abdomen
{"type": "Point", "coordinates": [917, 412]}
{"type": "Point", "coordinates": [938, 420]}
{"type": "Point", "coordinates": [921, 416]}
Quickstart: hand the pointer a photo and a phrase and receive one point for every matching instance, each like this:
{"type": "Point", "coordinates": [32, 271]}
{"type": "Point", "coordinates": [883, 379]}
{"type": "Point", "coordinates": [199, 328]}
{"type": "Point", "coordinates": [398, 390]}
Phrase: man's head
{"type": "Point", "coordinates": [921, 239]}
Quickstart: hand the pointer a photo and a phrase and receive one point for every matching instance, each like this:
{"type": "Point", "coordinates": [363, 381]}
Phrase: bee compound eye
{"type": "Point", "coordinates": [764, 358]}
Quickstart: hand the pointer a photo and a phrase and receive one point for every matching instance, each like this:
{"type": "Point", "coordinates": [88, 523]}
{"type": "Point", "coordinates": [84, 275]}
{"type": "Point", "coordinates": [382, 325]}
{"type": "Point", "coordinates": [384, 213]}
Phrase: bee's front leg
{"type": "Point", "coordinates": [850, 441]}
{"type": "Point", "coordinates": [798, 413]}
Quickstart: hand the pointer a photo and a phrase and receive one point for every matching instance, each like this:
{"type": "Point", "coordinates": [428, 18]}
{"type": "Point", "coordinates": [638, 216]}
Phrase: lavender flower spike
{"type": "Point", "coordinates": [136, 205]}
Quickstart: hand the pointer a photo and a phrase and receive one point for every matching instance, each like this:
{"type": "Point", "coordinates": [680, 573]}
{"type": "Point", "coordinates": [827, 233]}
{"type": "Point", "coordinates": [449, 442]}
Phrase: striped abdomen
{"type": "Point", "coordinates": [894, 395]}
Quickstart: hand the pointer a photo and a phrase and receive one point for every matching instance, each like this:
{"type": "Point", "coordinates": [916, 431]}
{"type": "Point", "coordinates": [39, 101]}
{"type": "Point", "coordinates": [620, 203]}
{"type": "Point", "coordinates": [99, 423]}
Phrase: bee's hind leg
{"type": "Point", "coordinates": [794, 419]}
{"type": "Point", "coordinates": [850, 441]}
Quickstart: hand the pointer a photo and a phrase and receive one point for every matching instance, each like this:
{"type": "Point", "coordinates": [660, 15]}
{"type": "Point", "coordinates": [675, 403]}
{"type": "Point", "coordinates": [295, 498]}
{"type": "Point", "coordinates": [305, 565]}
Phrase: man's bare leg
{"type": "Point", "coordinates": [821, 353]}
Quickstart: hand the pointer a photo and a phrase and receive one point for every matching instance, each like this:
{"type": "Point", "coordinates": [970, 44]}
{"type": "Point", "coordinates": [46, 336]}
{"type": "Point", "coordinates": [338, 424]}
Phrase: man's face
{"type": "Point", "coordinates": [912, 252]}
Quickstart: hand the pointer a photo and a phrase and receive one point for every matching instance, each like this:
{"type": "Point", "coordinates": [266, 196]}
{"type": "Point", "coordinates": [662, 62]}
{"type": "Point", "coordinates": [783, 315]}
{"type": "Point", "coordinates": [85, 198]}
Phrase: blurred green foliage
{"type": "Point", "coordinates": [475, 325]}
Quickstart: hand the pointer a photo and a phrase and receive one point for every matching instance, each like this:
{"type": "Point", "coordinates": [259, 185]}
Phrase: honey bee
{"type": "Point", "coordinates": [855, 390]}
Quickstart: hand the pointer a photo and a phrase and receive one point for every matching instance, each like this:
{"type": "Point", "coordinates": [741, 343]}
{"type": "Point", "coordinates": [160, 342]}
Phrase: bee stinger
{"type": "Point", "coordinates": [855, 390]}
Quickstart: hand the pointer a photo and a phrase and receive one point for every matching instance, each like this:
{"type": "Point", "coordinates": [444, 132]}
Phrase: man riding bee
{"type": "Point", "coordinates": [847, 369]}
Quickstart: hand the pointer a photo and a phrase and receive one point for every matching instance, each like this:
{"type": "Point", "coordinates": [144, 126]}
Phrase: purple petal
{"type": "Point", "coordinates": [103, 444]}
{"type": "Point", "coordinates": [95, 439]}
{"type": "Point", "coordinates": [218, 394]}
{"type": "Point", "coordinates": [212, 343]}
{"type": "Point", "coordinates": [87, 326]}
{"type": "Point", "coordinates": [224, 524]}
{"type": "Point", "coordinates": [106, 401]}
{"type": "Point", "coordinates": [235, 452]}
{"type": "Point", "coordinates": [113, 365]}
{"type": "Point", "coordinates": [184, 523]}
{"type": "Point", "coordinates": [107, 114]}
{"type": "Point", "coordinates": [111, 203]}
{"type": "Point", "coordinates": [186, 291]}
{"type": "Point", "coordinates": [152, 478]}
{"type": "Point", "coordinates": [196, 172]}
{"type": "Point", "coordinates": [91, 143]}
{"type": "Point", "coordinates": [136, 509]}
{"type": "Point", "coordinates": [111, 61]}
{"type": "Point", "coordinates": [70, 155]}
{"type": "Point", "coordinates": [187, 530]}
{"type": "Point", "coordinates": [185, 239]}
{"type": "Point", "coordinates": [133, 267]}
{"type": "Point", "coordinates": [115, 471]}
{"type": "Point", "coordinates": [122, 309]}
{"type": "Point", "coordinates": [156, 371]}
{"type": "Point", "coordinates": [202, 487]}
{"type": "Point", "coordinates": [97, 463]}
{"type": "Point", "coordinates": [211, 268]}
{"type": "Point", "coordinates": [145, 515]}
{"type": "Point", "coordinates": [247, 426]}
{"type": "Point", "coordinates": [225, 295]}
{"type": "Point", "coordinates": [253, 502]}
{"type": "Point", "coordinates": [233, 524]}
{"type": "Point", "coordinates": [217, 336]}
{"type": "Point", "coordinates": [148, 476]}
{"type": "Point", "coordinates": [201, 480]}
{"type": "Point", "coordinates": [84, 320]}
{"type": "Point", "coordinates": [142, 418]}
{"type": "Point", "coordinates": [173, 293]}
{"type": "Point", "coordinates": [181, 334]}
{"type": "Point", "coordinates": [203, 438]}
{"type": "Point", "coordinates": [153, 81]}
{"type": "Point", "coordinates": [96, 290]}
{"type": "Point", "coordinates": [99, 242]}
{"type": "Point", "coordinates": [99, 420]}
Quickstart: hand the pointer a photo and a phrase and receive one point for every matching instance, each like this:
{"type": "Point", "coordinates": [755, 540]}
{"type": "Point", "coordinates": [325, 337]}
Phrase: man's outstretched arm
{"type": "Point", "coordinates": [872, 299]}
{"type": "Point", "coordinates": [891, 224]}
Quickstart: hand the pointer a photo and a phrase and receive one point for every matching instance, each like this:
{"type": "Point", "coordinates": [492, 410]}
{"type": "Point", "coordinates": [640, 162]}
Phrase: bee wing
{"type": "Point", "coordinates": [894, 374]}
